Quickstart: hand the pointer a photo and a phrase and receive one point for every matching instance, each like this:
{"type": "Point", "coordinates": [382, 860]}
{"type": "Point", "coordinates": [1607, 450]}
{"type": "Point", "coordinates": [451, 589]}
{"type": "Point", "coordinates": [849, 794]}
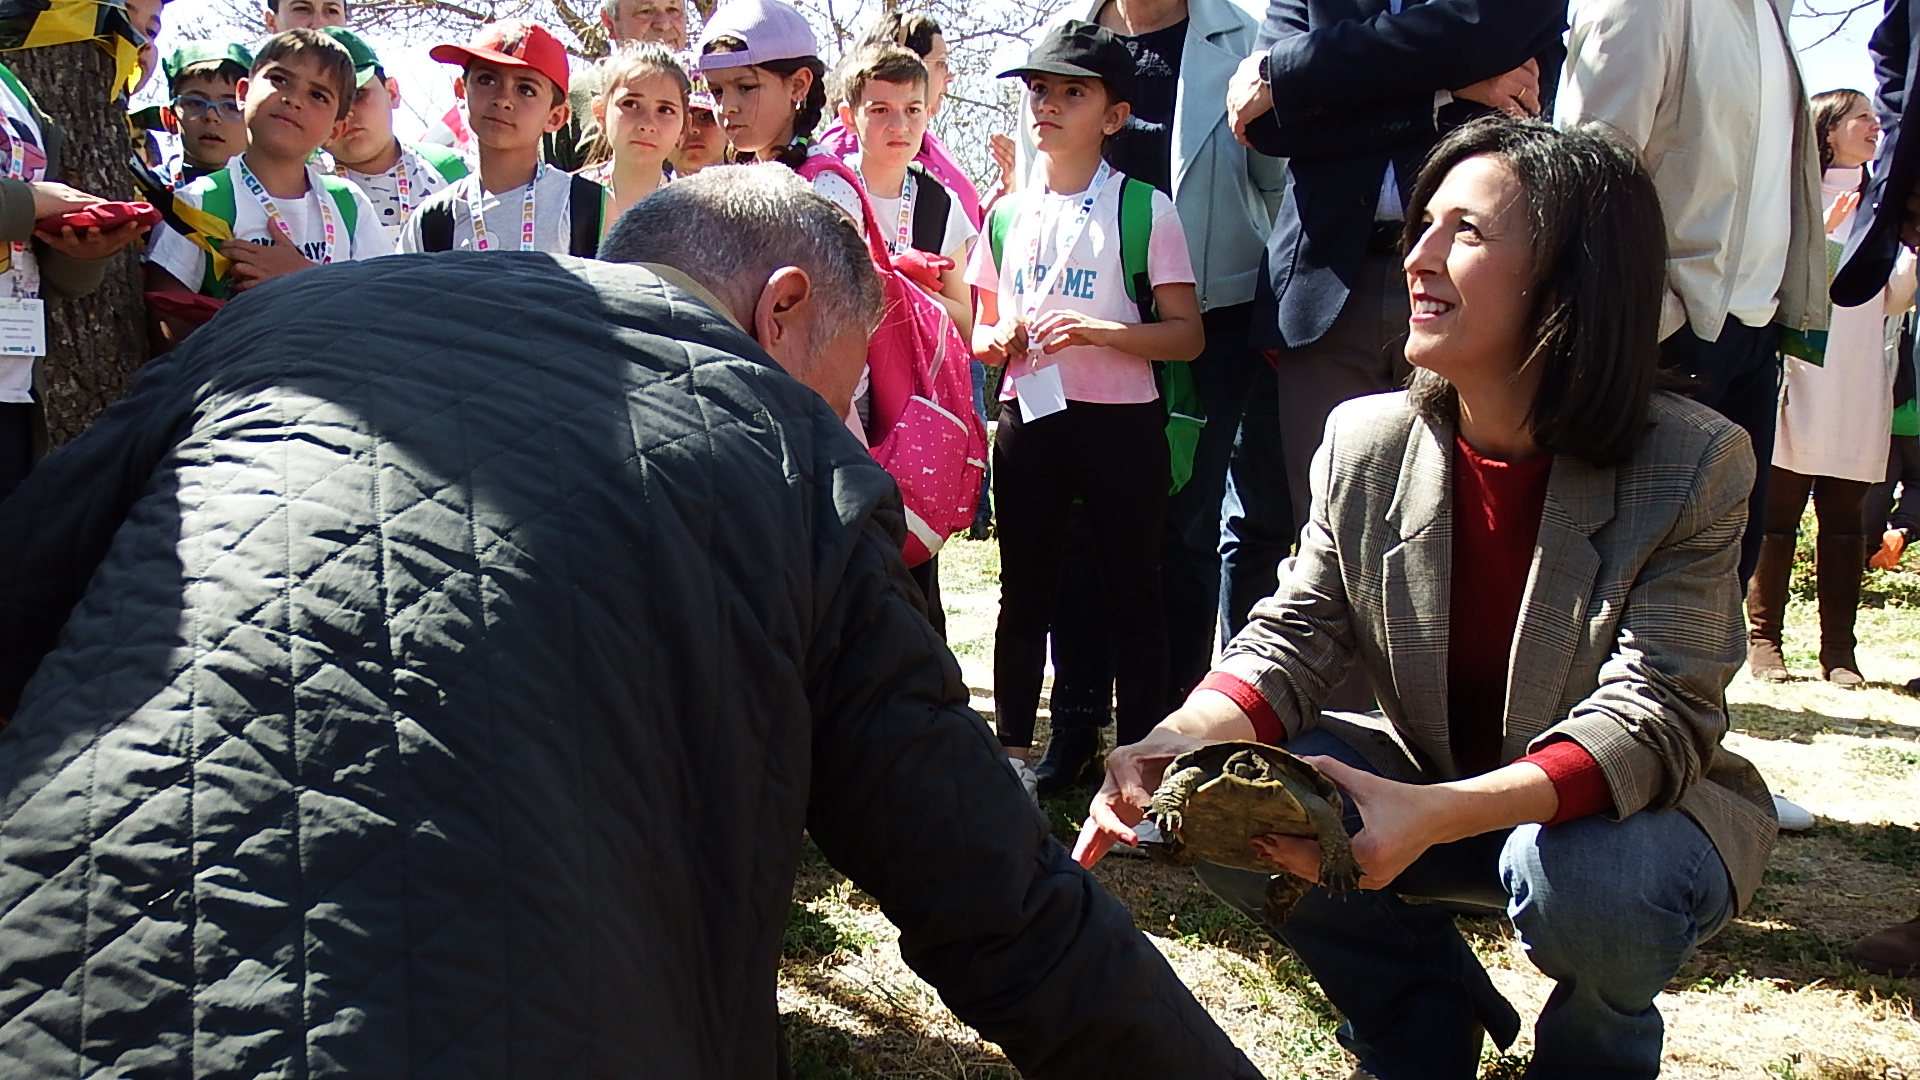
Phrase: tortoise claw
{"type": "Point", "coordinates": [1340, 876]}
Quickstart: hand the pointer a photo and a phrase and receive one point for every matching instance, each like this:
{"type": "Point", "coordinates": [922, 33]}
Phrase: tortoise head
{"type": "Point", "coordinates": [1248, 765]}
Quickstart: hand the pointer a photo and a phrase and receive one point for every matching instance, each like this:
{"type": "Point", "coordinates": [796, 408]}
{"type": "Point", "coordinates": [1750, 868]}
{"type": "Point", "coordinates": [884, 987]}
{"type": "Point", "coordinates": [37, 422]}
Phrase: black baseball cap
{"type": "Point", "coordinates": [1082, 50]}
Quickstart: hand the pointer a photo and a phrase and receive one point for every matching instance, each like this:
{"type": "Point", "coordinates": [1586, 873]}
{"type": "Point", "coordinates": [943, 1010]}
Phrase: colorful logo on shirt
{"type": "Point", "coordinates": [1075, 283]}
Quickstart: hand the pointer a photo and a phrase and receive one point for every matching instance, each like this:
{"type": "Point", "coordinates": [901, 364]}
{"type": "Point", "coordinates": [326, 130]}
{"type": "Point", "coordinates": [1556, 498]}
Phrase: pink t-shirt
{"type": "Point", "coordinates": [1093, 283]}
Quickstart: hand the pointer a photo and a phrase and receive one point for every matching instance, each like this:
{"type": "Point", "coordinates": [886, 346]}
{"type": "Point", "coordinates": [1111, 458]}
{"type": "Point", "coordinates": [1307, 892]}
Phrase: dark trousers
{"type": "Point", "coordinates": [1362, 353]}
{"type": "Point", "coordinates": [1256, 517]}
{"type": "Point", "coordinates": [1838, 505]}
{"type": "Point", "coordinates": [1115, 458]}
{"type": "Point", "coordinates": [1737, 376]}
{"type": "Point", "coordinates": [16, 445]}
{"type": "Point", "coordinates": [1883, 510]}
{"type": "Point", "coordinates": [927, 576]}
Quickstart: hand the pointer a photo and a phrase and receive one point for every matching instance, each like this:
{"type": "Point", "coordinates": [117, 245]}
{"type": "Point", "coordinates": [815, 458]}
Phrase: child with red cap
{"type": "Point", "coordinates": [514, 80]}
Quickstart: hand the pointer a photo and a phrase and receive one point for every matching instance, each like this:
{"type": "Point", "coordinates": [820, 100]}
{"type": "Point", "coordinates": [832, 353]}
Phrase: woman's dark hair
{"type": "Point", "coordinates": [1600, 255]}
{"type": "Point", "coordinates": [1828, 110]}
{"type": "Point", "coordinates": [912, 30]}
{"type": "Point", "coordinates": [807, 117]}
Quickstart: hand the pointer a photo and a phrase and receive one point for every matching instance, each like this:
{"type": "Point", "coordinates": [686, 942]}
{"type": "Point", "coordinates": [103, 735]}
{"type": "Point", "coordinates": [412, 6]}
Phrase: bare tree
{"type": "Point", "coordinates": [1844, 13]}
{"type": "Point", "coordinates": [94, 345]}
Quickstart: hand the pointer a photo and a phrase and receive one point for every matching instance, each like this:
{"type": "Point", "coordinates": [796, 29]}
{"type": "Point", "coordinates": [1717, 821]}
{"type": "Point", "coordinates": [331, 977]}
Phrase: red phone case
{"type": "Point", "coordinates": [103, 215]}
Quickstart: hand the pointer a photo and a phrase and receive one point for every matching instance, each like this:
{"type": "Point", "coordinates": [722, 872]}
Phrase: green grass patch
{"type": "Point", "coordinates": [1886, 760]}
{"type": "Point", "coordinates": [1895, 845]}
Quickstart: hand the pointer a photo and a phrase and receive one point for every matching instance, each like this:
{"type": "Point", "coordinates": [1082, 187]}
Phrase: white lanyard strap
{"type": "Point", "coordinates": [480, 240]}
{"type": "Point", "coordinates": [277, 221]}
{"type": "Point", "coordinates": [25, 274]}
{"type": "Point", "coordinates": [903, 232]}
{"type": "Point", "coordinates": [1065, 244]}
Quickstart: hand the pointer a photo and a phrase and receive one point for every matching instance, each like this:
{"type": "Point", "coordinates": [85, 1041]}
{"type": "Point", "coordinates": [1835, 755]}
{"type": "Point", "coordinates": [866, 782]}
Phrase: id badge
{"type": "Point", "coordinates": [1041, 393]}
{"type": "Point", "coordinates": [23, 326]}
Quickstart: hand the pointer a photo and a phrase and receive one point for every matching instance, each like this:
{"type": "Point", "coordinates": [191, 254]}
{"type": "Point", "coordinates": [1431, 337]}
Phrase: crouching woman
{"type": "Point", "coordinates": [1532, 554]}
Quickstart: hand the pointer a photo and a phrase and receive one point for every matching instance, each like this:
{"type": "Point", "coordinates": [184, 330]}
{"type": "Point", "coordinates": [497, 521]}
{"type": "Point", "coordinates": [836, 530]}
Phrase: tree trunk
{"type": "Point", "coordinates": [94, 344]}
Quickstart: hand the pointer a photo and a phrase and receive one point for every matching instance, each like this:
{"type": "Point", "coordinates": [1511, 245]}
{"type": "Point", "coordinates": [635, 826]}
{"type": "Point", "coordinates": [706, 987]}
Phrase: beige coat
{"type": "Point", "coordinates": [1676, 79]}
{"type": "Point", "coordinates": [1628, 634]}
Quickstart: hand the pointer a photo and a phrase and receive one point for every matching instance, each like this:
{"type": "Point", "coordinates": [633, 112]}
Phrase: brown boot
{"type": "Point", "coordinates": [1767, 607]}
{"type": "Point", "coordinates": [1894, 951]}
{"type": "Point", "coordinates": [1837, 562]}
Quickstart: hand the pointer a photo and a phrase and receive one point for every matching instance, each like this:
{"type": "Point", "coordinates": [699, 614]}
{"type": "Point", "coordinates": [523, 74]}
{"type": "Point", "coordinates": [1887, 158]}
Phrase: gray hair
{"type": "Point", "coordinates": [729, 227]}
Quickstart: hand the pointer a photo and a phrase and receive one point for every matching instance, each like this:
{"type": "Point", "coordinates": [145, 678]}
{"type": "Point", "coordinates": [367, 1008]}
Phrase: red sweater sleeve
{"type": "Point", "coordinates": [1576, 777]}
{"type": "Point", "coordinates": [1267, 727]}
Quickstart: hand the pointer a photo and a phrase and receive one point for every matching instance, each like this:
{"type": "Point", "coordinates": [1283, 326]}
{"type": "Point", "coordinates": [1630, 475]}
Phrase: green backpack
{"type": "Point", "coordinates": [1185, 415]}
{"type": "Point", "coordinates": [219, 202]}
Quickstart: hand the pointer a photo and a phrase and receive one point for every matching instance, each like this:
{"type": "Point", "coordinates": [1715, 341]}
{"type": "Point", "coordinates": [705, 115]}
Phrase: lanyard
{"type": "Point", "coordinates": [474, 194]}
{"type": "Point", "coordinates": [1067, 241]}
{"type": "Point", "coordinates": [25, 276]}
{"type": "Point", "coordinates": [903, 232]}
{"type": "Point", "coordinates": [402, 178]}
{"type": "Point", "coordinates": [276, 221]}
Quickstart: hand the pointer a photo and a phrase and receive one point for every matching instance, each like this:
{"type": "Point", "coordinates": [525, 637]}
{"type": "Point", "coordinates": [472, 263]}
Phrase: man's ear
{"type": "Point", "coordinates": [393, 91]}
{"type": "Point", "coordinates": [558, 116]}
{"type": "Point", "coordinates": [778, 315]}
{"type": "Point", "coordinates": [460, 87]}
{"type": "Point", "coordinates": [846, 116]}
{"type": "Point", "coordinates": [273, 20]}
{"type": "Point", "coordinates": [240, 88]}
{"type": "Point", "coordinates": [339, 132]}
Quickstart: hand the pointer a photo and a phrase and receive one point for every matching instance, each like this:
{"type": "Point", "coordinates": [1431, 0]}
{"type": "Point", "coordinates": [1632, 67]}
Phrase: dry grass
{"type": "Point", "coordinates": [1773, 996]}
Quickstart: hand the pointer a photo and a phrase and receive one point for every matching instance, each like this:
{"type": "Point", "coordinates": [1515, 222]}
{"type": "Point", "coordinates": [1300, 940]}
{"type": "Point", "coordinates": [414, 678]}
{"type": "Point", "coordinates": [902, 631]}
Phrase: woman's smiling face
{"type": "Point", "coordinates": [1470, 275]}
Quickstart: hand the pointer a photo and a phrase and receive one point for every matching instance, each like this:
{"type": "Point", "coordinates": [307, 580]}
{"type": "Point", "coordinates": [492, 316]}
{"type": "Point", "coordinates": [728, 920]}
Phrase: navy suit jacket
{"type": "Point", "coordinates": [1353, 89]}
{"type": "Point", "coordinates": [1874, 243]}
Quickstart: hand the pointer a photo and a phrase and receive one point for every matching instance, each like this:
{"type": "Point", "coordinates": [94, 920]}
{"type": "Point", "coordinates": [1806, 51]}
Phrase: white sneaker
{"type": "Point", "coordinates": [1027, 780]}
{"type": "Point", "coordinates": [1793, 817]}
{"type": "Point", "coordinates": [1147, 833]}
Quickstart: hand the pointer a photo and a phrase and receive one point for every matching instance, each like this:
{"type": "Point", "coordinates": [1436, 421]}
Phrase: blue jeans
{"type": "Point", "coordinates": [1608, 909]}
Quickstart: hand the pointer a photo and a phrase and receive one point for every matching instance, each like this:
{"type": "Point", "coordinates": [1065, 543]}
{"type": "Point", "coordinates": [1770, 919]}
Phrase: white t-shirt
{"type": "Point", "coordinates": [887, 212]}
{"type": "Point", "coordinates": [185, 260]}
{"type": "Point", "coordinates": [20, 277]}
{"type": "Point", "coordinates": [1093, 283]}
{"type": "Point", "coordinates": [1763, 255]}
{"type": "Point", "coordinates": [504, 214]}
{"type": "Point", "coordinates": [383, 189]}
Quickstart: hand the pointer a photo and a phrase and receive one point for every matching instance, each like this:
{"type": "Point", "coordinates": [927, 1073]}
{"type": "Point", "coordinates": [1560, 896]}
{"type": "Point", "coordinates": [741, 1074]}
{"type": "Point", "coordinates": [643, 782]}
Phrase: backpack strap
{"type": "Point", "coordinates": [998, 223]}
{"type": "Point", "coordinates": [932, 203]}
{"type": "Point", "coordinates": [436, 224]}
{"type": "Point", "coordinates": [218, 201]}
{"type": "Point", "coordinates": [1136, 233]}
{"type": "Point", "coordinates": [342, 191]}
{"type": "Point", "coordinates": [585, 204]}
{"type": "Point", "coordinates": [445, 161]}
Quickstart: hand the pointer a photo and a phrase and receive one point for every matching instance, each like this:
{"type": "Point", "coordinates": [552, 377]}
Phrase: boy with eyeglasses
{"type": "Point", "coordinates": [205, 108]}
{"type": "Point", "coordinates": [396, 176]}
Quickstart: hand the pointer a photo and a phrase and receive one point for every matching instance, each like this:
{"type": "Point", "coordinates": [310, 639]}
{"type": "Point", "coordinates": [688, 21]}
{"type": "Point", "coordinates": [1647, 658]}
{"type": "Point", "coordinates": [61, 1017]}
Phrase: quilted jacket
{"type": "Point", "coordinates": [429, 671]}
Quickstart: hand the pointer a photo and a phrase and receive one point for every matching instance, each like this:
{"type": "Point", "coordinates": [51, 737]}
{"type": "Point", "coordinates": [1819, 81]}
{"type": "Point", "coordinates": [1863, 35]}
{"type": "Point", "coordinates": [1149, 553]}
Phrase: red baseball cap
{"type": "Point", "coordinates": [511, 43]}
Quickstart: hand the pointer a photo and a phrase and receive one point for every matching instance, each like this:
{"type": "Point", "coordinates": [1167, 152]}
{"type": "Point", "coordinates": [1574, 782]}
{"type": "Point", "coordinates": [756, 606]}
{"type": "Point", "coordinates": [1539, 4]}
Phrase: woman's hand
{"type": "Point", "coordinates": [1061, 328]}
{"type": "Point", "coordinates": [1846, 204]}
{"type": "Point", "coordinates": [92, 243]}
{"type": "Point", "coordinates": [1133, 772]}
{"type": "Point", "coordinates": [999, 344]}
{"type": "Point", "coordinates": [1001, 147]}
{"type": "Point", "coordinates": [1399, 822]}
{"type": "Point", "coordinates": [51, 199]}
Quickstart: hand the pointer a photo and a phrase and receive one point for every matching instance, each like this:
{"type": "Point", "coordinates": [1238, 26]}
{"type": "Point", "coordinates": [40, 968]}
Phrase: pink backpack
{"type": "Point", "coordinates": [921, 425]}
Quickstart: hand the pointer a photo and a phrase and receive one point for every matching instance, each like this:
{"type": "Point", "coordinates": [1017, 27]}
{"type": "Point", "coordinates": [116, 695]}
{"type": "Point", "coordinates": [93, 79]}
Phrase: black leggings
{"type": "Point", "coordinates": [1115, 458]}
{"type": "Point", "coordinates": [1838, 505]}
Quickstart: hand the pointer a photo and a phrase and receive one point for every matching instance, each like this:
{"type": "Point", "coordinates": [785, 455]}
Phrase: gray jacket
{"type": "Point", "coordinates": [1630, 628]}
{"type": "Point", "coordinates": [1225, 193]}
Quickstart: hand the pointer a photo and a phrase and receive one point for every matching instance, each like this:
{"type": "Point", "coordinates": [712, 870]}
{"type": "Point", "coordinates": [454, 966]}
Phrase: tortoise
{"type": "Point", "coordinates": [1217, 798]}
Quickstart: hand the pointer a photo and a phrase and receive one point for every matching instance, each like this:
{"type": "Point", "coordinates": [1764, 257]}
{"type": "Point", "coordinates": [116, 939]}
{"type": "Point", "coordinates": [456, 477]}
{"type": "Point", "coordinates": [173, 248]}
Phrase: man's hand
{"type": "Point", "coordinates": [1061, 328]}
{"type": "Point", "coordinates": [1517, 93]}
{"type": "Point", "coordinates": [52, 199]}
{"type": "Point", "coordinates": [92, 243]}
{"type": "Point", "coordinates": [1248, 96]}
{"type": "Point", "coordinates": [254, 263]}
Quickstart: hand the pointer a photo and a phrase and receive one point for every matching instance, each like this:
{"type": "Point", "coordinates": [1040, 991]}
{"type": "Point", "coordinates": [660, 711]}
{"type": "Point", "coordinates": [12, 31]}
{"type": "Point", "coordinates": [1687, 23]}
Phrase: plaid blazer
{"type": "Point", "coordinates": [1630, 628]}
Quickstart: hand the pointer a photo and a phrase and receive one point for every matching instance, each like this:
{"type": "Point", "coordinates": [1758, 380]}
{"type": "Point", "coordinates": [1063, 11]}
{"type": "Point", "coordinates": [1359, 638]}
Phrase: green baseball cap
{"type": "Point", "coordinates": [365, 63]}
{"type": "Point", "coordinates": [202, 52]}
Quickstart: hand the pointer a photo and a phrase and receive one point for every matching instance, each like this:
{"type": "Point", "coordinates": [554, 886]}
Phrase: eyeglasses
{"type": "Point", "coordinates": [195, 107]}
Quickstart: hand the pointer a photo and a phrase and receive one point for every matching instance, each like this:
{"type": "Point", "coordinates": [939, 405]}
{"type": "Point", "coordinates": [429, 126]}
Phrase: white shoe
{"type": "Point", "coordinates": [1147, 833]}
{"type": "Point", "coordinates": [1027, 780]}
{"type": "Point", "coordinates": [1793, 817]}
